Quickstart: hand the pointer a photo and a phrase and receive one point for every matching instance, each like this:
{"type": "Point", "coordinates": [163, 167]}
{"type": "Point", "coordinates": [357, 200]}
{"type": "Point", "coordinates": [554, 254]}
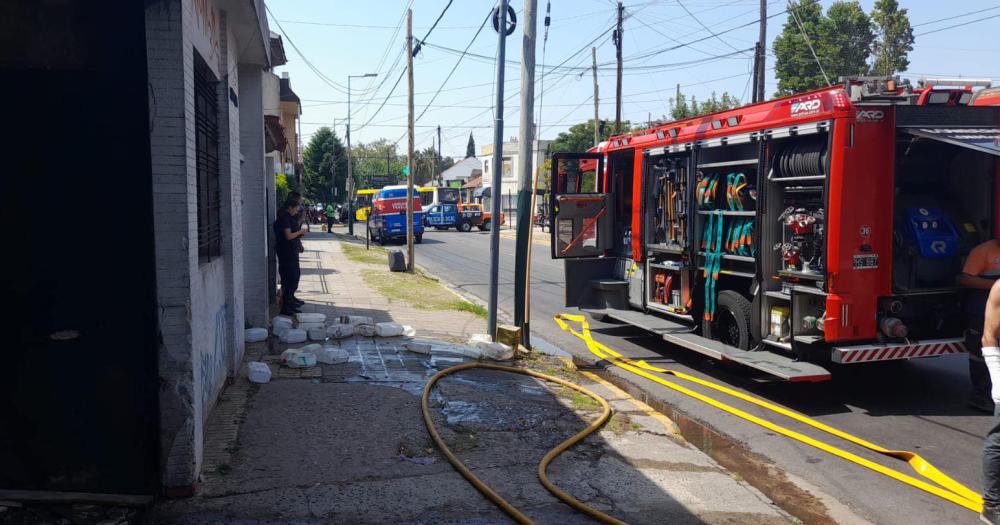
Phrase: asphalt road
{"type": "Point", "coordinates": [916, 405]}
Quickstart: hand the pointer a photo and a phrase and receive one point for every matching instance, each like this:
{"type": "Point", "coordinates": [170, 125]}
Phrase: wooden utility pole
{"type": "Point", "coordinates": [761, 57]}
{"type": "Point", "coordinates": [526, 157]}
{"type": "Point", "coordinates": [618, 52]}
{"type": "Point", "coordinates": [437, 165]}
{"type": "Point", "coordinates": [409, 146]}
{"type": "Point", "coordinates": [597, 101]}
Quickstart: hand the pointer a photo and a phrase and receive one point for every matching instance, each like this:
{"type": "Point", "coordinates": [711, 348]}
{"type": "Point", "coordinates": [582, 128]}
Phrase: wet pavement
{"type": "Point", "coordinates": [346, 443]}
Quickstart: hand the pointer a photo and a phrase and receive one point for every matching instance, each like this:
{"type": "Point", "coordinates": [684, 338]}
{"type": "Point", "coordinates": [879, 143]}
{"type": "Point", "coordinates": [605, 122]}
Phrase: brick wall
{"type": "Point", "coordinates": [255, 223]}
{"type": "Point", "coordinates": [201, 305]}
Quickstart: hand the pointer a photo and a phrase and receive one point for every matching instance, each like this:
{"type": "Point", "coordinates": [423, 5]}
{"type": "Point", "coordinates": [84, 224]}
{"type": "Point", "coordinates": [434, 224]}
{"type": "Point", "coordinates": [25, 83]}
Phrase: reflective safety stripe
{"type": "Point", "coordinates": [872, 353]}
{"type": "Point", "coordinates": [945, 488]}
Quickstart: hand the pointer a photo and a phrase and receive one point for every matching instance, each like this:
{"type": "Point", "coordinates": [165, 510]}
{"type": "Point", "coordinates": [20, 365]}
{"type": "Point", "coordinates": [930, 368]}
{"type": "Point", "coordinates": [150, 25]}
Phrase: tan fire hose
{"type": "Point", "coordinates": [492, 495]}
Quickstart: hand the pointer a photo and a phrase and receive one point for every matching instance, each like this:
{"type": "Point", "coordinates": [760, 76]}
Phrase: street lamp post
{"type": "Point", "coordinates": [350, 165]}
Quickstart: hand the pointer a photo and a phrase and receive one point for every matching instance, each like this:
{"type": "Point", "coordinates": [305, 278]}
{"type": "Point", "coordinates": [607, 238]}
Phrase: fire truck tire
{"type": "Point", "coordinates": [418, 238]}
{"type": "Point", "coordinates": [732, 320]}
{"type": "Point", "coordinates": [464, 226]}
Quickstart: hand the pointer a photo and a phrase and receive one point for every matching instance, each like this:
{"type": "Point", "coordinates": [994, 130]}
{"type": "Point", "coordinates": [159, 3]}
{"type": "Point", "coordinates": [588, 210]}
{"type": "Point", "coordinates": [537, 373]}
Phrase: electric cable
{"type": "Point", "coordinates": [483, 488]}
{"type": "Point", "coordinates": [805, 36]}
{"type": "Point", "coordinates": [696, 19]}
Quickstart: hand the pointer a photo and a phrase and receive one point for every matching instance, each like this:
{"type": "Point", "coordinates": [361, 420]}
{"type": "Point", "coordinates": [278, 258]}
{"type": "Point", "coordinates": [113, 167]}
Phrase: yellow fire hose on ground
{"type": "Point", "coordinates": [492, 495]}
{"type": "Point", "coordinates": [945, 488]}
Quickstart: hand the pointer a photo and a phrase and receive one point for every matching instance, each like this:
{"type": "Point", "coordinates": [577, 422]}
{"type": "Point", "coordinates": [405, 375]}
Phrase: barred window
{"type": "Point", "coordinates": [206, 124]}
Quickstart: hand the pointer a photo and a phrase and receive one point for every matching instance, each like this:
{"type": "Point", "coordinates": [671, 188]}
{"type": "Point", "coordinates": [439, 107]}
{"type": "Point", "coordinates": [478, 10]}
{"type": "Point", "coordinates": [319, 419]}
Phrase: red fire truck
{"type": "Point", "coordinates": [823, 227]}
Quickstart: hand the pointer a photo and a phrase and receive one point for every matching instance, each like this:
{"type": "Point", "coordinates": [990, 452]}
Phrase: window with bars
{"type": "Point", "coordinates": [206, 124]}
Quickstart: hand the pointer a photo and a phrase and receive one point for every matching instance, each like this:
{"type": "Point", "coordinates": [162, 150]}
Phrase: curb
{"type": "Point", "coordinates": [758, 471]}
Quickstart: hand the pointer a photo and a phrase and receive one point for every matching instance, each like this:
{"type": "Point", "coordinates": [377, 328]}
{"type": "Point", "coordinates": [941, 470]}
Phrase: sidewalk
{"type": "Point", "coordinates": [346, 443]}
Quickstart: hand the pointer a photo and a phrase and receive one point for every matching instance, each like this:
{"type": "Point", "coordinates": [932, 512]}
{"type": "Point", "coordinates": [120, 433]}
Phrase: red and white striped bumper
{"type": "Point", "coordinates": [888, 352]}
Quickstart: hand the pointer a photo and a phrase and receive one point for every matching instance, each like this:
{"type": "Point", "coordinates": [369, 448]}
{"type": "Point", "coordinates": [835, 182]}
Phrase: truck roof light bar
{"type": "Point", "coordinates": [958, 82]}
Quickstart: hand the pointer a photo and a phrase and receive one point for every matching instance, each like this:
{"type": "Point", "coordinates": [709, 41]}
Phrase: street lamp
{"type": "Point", "coordinates": [350, 166]}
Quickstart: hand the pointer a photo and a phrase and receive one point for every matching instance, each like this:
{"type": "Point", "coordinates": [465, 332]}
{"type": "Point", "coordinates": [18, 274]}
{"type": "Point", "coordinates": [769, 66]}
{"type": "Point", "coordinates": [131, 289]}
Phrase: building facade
{"type": "Point", "coordinates": [130, 326]}
{"type": "Point", "coordinates": [510, 172]}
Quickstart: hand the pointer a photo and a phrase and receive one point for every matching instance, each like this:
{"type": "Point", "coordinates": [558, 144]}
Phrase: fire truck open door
{"type": "Point", "coordinates": [984, 140]}
{"type": "Point", "coordinates": [582, 214]}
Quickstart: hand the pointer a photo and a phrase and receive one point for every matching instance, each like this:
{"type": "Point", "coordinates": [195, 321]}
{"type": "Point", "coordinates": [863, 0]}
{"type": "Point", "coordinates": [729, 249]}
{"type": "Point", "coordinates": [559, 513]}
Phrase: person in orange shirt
{"type": "Point", "coordinates": [981, 270]}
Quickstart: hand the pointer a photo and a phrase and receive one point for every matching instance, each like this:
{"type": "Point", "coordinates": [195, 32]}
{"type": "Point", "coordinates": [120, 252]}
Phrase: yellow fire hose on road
{"type": "Point", "coordinates": [945, 488]}
{"type": "Point", "coordinates": [492, 495]}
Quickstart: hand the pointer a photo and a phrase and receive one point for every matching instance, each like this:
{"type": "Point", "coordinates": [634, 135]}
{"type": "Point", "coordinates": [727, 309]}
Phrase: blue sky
{"type": "Point", "coordinates": [341, 38]}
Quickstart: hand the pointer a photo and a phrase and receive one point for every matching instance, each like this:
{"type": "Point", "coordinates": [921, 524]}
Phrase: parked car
{"type": "Point", "coordinates": [487, 216]}
{"type": "Point", "coordinates": [451, 215]}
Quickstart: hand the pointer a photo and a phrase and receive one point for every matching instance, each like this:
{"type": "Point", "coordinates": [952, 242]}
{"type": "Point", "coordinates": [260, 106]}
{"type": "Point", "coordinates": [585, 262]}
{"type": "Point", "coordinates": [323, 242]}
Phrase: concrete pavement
{"type": "Point", "coordinates": [346, 443]}
{"type": "Point", "coordinates": [917, 405]}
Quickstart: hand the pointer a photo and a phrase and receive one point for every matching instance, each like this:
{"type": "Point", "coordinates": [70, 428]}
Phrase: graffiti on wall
{"type": "Point", "coordinates": [213, 362]}
{"type": "Point", "coordinates": [208, 21]}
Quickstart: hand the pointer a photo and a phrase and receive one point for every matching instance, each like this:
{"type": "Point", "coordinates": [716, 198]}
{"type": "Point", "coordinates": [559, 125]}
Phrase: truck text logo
{"type": "Point", "coordinates": [807, 107]}
{"type": "Point", "coordinates": [870, 115]}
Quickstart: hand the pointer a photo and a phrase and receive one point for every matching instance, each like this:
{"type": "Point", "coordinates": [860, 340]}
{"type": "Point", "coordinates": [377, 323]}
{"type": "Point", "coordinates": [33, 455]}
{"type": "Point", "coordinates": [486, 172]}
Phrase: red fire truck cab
{"type": "Point", "coordinates": [824, 227]}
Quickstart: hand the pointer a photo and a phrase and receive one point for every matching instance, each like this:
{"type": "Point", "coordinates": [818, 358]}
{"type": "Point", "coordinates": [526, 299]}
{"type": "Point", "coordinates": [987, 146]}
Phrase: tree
{"type": "Point", "coordinates": [325, 163]}
{"type": "Point", "coordinates": [377, 161]}
{"type": "Point", "coordinates": [893, 38]}
{"type": "Point", "coordinates": [470, 148]}
{"type": "Point", "coordinates": [846, 38]}
{"type": "Point", "coordinates": [842, 40]}
{"type": "Point", "coordinates": [795, 66]}
{"type": "Point", "coordinates": [680, 109]}
{"type": "Point", "coordinates": [580, 137]}
{"type": "Point", "coordinates": [281, 188]}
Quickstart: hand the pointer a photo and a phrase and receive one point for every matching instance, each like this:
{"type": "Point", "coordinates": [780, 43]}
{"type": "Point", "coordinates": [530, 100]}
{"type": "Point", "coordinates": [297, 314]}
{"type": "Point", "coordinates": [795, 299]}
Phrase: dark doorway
{"type": "Point", "coordinates": [78, 398]}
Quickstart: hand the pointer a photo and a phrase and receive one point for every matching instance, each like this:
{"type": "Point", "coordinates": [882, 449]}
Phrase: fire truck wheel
{"type": "Point", "coordinates": [464, 226]}
{"type": "Point", "coordinates": [732, 320]}
{"type": "Point", "coordinates": [418, 238]}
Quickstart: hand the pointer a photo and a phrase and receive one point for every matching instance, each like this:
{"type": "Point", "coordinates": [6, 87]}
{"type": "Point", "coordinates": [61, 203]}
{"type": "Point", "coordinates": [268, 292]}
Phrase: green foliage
{"type": "Point", "coordinates": [893, 38]}
{"type": "Point", "coordinates": [580, 137]}
{"type": "Point", "coordinates": [380, 158]}
{"type": "Point", "coordinates": [842, 40]}
{"type": "Point", "coordinates": [681, 109]}
{"type": "Point", "coordinates": [281, 188]}
{"type": "Point", "coordinates": [325, 162]}
{"type": "Point", "coordinates": [846, 40]}
{"type": "Point", "coordinates": [470, 148]}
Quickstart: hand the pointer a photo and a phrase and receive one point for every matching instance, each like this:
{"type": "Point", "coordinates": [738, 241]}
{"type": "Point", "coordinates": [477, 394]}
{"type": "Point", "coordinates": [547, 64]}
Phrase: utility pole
{"type": "Point", "coordinates": [495, 192]}
{"type": "Point", "coordinates": [597, 98]}
{"type": "Point", "coordinates": [761, 56]}
{"type": "Point", "coordinates": [409, 146]}
{"type": "Point", "coordinates": [525, 155]}
{"type": "Point", "coordinates": [440, 158]}
{"type": "Point", "coordinates": [618, 52]}
{"type": "Point", "coordinates": [350, 166]}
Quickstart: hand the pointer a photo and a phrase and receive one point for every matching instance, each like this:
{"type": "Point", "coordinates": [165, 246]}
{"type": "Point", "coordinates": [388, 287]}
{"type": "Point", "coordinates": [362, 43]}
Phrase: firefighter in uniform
{"type": "Point", "coordinates": [981, 270]}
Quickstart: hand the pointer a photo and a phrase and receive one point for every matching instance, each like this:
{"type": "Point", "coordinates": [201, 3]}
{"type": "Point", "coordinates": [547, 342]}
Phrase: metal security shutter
{"type": "Point", "coordinates": [206, 124]}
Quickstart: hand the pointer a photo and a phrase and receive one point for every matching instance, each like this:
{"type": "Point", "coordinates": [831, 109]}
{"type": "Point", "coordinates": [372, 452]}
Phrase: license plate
{"type": "Point", "coordinates": [866, 262]}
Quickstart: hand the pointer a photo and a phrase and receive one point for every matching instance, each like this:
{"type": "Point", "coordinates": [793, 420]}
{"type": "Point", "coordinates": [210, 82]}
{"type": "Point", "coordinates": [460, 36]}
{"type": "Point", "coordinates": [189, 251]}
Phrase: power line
{"type": "Point", "coordinates": [957, 25]}
{"type": "Point", "coordinates": [695, 18]}
{"type": "Point", "coordinates": [956, 16]}
{"type": "Point", "coordinates": [808, 42]}
{"type": "Point", "coordinates": [336, 86]}
{"type": "Point", "coordinates": [362, 26]}
{"type": "Point", "coordinates": [459, 61]}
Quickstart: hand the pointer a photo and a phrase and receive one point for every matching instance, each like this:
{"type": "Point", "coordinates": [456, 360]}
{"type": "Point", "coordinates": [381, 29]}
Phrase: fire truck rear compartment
{"type": "Point", "coordinates": [942, 208]}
